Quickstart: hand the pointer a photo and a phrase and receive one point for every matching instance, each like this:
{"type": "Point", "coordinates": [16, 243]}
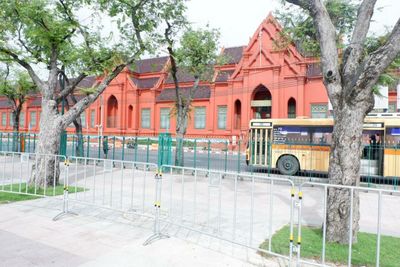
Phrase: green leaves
{"type": "Point", "coordinates": [198, 52]}
{"type": "Point", "coordinates": [15, 84]}
{"type": "Point", "coordinates": [299, 28]}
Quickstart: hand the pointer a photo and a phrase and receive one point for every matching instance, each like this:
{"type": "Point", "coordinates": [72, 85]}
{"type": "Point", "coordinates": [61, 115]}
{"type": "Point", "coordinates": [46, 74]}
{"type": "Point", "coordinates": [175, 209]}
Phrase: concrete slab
{"type": "Point", "coordinates": [29, 237]}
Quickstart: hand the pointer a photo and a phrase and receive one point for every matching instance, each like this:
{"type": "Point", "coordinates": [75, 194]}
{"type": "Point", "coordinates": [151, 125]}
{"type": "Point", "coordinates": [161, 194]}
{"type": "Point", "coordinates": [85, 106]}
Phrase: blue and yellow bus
{"type": "Point", "coordinates": [295, 145]}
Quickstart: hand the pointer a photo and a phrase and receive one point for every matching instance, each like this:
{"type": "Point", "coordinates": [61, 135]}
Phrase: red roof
{"type": "Point", "coordinates": [233, 55]}
{"type": "Point", "coordinates": [149, 65]}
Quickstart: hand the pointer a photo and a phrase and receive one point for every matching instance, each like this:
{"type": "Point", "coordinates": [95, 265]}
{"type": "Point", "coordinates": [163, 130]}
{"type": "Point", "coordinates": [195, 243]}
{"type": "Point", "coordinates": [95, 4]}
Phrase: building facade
{"type": "Point", "coordinates": [257, 81]}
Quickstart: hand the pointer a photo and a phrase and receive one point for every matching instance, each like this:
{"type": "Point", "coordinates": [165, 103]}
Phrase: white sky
{"type": "Point", "coordinates": [237, 20]}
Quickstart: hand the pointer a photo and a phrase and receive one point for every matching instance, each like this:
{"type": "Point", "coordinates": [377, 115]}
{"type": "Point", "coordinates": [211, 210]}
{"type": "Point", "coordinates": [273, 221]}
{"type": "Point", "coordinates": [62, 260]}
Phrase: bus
{"type": "Point", "coordinates": [291, 146]}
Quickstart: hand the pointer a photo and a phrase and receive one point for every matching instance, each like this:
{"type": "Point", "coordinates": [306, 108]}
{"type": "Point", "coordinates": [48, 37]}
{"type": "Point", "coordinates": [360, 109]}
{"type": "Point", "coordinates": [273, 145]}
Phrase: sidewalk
{"type": "Point", "coordinates": [97, 237]}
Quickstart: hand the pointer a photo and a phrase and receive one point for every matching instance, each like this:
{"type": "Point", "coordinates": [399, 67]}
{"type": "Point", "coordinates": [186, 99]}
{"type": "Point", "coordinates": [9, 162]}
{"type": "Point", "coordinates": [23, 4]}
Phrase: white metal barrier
{"type": "Point", "coordinates": [314, 214]}
{"type": "Point", "coordinates": [244, 210]}
{"type": "Point", "coordinates": [17, 170]}
{"type": "Point", "coordinates": [113, 184]}
{"type": "Point", "coordinates": [235, 208]}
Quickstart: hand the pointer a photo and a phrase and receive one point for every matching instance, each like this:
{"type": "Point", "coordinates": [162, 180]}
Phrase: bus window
{"type": "Point", "coordinates": [321, 135]}
{"type": "Point", "coordinates": [291, 134]}
{"type": "Point", "coordinates": [372, 141]}
{"type": "Point", "coordinates": [392, 137]}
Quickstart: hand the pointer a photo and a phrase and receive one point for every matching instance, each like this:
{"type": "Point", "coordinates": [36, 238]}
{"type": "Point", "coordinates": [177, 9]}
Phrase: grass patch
{"type": "Point", "coordinates": [7, 197]}
{"type": "Point", "coordinates": [363, 253]}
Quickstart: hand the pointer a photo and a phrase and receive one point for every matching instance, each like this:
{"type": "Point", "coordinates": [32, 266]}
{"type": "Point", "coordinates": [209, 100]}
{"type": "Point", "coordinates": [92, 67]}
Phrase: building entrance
{"type": "Point", "coordinates": [261, 103]}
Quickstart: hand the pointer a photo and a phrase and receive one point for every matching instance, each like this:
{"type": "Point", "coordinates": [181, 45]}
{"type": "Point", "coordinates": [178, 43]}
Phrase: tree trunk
{"type": "Point", "coordinates": [16, 113]}
{"type": "Point", "coordinates": [344, 169]}
{"type": "Point", "coordinates": [79, 150]}
{"type": "Point", "coordinates": [181, 126]}
{"type": "Point", "coordinates": [46, 169]}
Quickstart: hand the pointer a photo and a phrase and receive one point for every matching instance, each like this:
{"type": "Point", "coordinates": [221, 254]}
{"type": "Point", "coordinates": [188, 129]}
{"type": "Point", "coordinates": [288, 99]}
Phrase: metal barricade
{"type": "Point", "coordinates": [18, 170]}
{"type": "Point", "coordinates": [236, 209]}
{"type": "Point", "coordinates": [370, 201]}
{"type": "Point", "coordinates": [113, 184]}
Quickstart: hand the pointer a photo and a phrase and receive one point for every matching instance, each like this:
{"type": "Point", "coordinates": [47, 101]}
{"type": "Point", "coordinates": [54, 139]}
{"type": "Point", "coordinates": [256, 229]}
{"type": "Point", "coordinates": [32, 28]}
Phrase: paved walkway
{"type": "Point", "coordinates": [29, 237]}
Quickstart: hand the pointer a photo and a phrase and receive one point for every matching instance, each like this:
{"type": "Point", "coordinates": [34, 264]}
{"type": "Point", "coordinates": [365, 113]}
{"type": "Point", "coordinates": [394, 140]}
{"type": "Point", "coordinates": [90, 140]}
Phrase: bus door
{"type": "Point", "coordinates": [372, 155]}
{"type": "Point", "coordinates": [260, 146]}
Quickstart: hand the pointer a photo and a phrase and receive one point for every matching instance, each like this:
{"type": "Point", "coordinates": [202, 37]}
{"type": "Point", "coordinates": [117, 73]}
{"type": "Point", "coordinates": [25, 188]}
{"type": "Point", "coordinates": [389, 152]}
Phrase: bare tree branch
{"type": "Point", "coordinates": [81, 105]}
{"type": "Point", "coordinates": [326, 33]}
{"type": "Point", "coordinates": [136, 23]}
{"type": "Point", "coordinates": [354, 52]}
{"type": "Point", "coordinates": [38, 82]}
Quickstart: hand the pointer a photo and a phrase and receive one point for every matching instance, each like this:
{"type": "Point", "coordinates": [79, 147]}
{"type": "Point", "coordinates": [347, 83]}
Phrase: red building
{"type": "Point", "coordinates": [258, 81]}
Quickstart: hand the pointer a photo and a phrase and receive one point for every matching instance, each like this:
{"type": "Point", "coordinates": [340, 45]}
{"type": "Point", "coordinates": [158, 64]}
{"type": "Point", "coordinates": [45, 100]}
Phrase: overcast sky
{"type": "Point", "coordinates": [237, 20]}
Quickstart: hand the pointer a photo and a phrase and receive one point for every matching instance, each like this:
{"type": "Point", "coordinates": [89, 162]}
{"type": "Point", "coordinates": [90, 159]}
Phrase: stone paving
{"type": "Point", "coordinates": [29, 237]}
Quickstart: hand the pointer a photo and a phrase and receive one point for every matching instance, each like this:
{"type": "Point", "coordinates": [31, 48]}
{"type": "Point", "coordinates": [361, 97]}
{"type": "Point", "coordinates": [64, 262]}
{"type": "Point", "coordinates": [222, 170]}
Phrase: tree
{"type": "Point", "coordinates": [50, 34]}
{"type": "Point", "coordinates": [349, 80]}
{"type": "Point", "coordinates": [16, 87]}
{"type": "Point", "coordinates": [196, 55]}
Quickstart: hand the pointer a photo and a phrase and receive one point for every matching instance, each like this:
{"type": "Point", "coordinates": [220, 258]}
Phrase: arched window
{"type": "Point", "coordinates": [238, 114]}
{"type": "Point", "coordinates": [130, 116]}
{"type": "Point", "coordinates": [292, 108]}
{"type": "Point", "coordinates": [261, 103]}
{"type": "Point", "coordinates": [112, 112]}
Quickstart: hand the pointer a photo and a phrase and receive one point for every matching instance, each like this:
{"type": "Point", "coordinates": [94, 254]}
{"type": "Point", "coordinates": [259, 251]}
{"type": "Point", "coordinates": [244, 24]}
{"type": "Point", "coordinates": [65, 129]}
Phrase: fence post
{"type": "Point", "coordinates": [226, 155]}
{"type": "Point", "coordinates": [1, 141]}
{"type": "Point", "coordinates": [136, 148]}
{"type": "Point", "coordinates": [88, 147]}
{"type": "Point", "coordinates": [73, 144]}
{"type": "Point", "coordinates": [113, 156]}
{"type": "Point", "coordinates": [157, 235]}
{"type": "Point", "coordinates": [34, 142]}
{"type": "Point", "coordinates": [208, 155]}
{"type": "Point", "coordinates": [65, 210]}
{"type": "Point", "coordinates": [29, 142]}
{"type": "Point", "coordinates": [123, 148]}
{"type": "Point", "coordinates": [99, 146]}
{"type": "Point", "coordinates": [238, 158]}
{"type": "Point", "coordinates": [195, 154]}
{"type": "Point", "coordinates": [147, 152]}
{"type": "Point", "coordinates": [8, 141]}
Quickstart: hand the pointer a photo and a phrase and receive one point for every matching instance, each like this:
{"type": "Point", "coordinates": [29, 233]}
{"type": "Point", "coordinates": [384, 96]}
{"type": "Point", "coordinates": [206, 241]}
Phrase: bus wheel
{"type": "Point", "coordinates": [288, 165]}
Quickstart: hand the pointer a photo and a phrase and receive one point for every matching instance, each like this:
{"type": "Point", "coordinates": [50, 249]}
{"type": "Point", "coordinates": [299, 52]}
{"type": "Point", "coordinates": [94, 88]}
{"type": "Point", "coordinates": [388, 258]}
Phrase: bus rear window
{"type": "Point", "coordinates": [392, 137]}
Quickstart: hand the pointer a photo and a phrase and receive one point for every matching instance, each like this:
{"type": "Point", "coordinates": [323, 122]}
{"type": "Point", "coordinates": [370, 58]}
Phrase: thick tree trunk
{"type": "Point", "coordinates": [79, 150]}
{"type": "Point", "coordinates": [181, 126]}
{"type": "Point", "coordinates": [344, 169]}
{"type": "Point", "coordinates": [46, 169]}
